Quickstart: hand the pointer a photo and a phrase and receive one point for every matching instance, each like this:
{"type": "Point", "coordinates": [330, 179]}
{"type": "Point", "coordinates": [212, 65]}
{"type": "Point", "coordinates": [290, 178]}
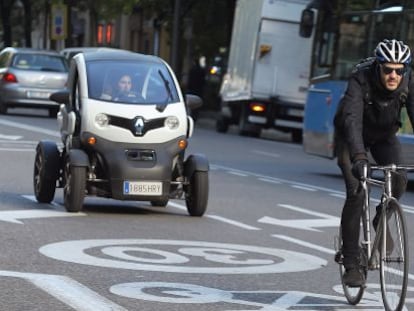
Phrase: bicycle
{"type": "Point", "coordinates": [388, 252]}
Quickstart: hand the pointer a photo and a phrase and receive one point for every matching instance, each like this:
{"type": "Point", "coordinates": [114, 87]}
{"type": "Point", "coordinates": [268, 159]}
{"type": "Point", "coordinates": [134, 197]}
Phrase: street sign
{"type": "Point", "coordinates": [58, 22]}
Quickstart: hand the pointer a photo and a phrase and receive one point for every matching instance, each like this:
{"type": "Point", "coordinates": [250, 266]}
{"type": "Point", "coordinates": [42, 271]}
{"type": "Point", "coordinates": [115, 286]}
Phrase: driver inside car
{"type": "Point", "coordinates": [122, 91]}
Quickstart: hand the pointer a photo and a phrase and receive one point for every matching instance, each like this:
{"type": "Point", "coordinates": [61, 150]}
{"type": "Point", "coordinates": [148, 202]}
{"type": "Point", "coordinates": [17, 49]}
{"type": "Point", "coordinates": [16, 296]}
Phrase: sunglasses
{"type": "Point", "coordinates": [388, 70]}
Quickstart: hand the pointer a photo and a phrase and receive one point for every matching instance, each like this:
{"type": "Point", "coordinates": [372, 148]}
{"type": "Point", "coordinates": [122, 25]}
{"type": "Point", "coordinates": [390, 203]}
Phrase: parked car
{"type": "Point", "coordinates": [68, 53]}
{"type": "Point", "coordinates": [124, 144]}
{"type": "Point", "coordinates": [29, 76]}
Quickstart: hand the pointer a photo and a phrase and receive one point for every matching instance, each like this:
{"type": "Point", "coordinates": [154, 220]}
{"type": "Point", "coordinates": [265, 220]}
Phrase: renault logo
{"type": "Point", "coordinates": [139, 126]}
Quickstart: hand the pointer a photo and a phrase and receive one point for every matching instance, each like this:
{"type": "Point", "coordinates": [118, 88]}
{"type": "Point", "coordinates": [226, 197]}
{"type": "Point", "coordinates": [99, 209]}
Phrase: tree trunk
{"type": "Point", "coordinates": [5, 8]}
{"type": "Point", "coordinates": [27, 22]}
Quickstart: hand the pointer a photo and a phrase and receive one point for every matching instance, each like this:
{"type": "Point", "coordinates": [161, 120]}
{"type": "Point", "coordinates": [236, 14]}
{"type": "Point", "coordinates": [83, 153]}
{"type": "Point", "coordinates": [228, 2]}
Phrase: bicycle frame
{"type": "Point", "coordinates": [386, 193]}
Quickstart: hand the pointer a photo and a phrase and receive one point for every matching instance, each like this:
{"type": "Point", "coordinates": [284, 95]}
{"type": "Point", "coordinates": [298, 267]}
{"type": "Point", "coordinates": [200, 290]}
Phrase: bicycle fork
{"type": "Point", "coordinates": [380, 237]}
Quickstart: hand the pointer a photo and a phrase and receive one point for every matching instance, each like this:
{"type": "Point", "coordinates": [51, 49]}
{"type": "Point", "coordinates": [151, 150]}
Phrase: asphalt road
{"type": "Point", "coordinates": [266, 241]}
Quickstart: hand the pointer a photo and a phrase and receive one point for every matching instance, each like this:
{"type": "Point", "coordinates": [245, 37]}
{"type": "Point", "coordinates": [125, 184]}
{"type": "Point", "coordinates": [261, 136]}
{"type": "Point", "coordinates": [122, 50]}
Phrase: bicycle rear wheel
{"type": "Point", "coordinates": [352, 294]}
{"type": "Point", "coordinates": [394, 257]}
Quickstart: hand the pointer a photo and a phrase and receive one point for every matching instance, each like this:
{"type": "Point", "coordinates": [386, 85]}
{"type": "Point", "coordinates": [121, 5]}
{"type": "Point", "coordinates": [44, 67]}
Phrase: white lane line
{"type": "Point", "coordinates": [273, 181]}
{"type": "Point", "coordinates": [332, 192]}
{"type": "Point", "coordinates": [237, 174]}
{"type": "Point", "coordinates": [18, 149]}
{"type": "Point", "coordinates": [304, 188]}
{"type": "Point", "coordinates": [10, 137]}
{"type": "Point", "coordinates": [247, 173]}
{"type": "Point", "coordinates": [219, 218]}
{"type": "Point", "coordinates": [68, 291]}
{"type": "Point", "coordinates": [30, 128]}
{"type": "Point", "coordinates": [233, 222]}
{"type": "Point", "coordinates": [29, 142]}
{"type": "Point", "coordinates": [269, 154]}
{"type": "Point", "coordinates": [337, 195]}
{"type": "Point", "coordinates": [13, 216]}
{"type": "Point", "coordinates": [304, 243]}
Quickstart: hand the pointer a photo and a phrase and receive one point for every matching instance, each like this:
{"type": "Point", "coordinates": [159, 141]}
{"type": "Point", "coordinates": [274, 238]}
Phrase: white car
{"type": "Point", "coordinates": [126, 147]}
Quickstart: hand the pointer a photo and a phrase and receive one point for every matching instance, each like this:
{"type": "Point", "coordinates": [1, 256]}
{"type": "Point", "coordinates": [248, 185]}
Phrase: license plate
{"type": "Point", "coordinates": [143, 187]}
{"type": "Point", "coordinates": [31, 94]}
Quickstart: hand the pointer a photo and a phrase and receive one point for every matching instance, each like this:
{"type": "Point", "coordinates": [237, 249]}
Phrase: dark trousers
{"type": "Point", "coordinates": [385, 152]}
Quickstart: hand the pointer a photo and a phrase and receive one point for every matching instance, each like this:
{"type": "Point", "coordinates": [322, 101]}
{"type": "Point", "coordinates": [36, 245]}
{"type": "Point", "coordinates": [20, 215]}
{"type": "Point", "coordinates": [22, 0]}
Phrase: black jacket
{"type": "Point", "coordinates": [368, 113]}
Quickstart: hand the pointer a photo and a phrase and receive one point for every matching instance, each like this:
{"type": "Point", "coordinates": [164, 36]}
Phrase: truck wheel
{"type": "Point", "coordinates": [3, 108]}
{"type": "Point", "coordinates": [222, 125]}
{"type": "Point", "coordinates": [196, 197]}
{"type": "Point", "coordinates": [74, 189]}
{"type": "Point", "coordinates": [297, 136]}
{"type": "Point", "coordinates": [246, 128]}
{"type": "Point", "coordinates": [46, 171]}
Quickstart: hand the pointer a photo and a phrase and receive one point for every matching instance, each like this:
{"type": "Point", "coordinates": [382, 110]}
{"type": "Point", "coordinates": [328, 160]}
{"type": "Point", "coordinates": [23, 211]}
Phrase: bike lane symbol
{"type": "Point", "coordinates": [182, 293]}
{"type": "Point", "coordinates": [182, 256]}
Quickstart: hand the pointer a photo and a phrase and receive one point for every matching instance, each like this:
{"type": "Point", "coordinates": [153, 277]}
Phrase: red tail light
{"type": "Point", "coordinates": [9, 77]}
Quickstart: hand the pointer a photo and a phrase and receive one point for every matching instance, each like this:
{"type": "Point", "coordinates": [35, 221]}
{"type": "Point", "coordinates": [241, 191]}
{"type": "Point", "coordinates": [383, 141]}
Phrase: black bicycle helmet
{"type": "Point", "coordinates": [393, 51]}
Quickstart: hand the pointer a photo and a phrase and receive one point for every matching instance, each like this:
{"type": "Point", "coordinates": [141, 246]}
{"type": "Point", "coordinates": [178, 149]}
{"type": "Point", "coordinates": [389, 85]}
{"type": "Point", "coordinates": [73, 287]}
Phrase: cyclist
{"type": "Point", "coordinates": [366, 121]}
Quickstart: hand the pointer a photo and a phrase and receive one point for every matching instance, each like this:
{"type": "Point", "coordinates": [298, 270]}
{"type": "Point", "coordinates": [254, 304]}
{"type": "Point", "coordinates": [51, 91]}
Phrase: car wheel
{"type": "Point", "coordinates": [74, 189]}
{"type": "Point", "coordinates": [160, 203]}
{"type": "Point", "coordinates": [46, 171]}
{"type": "Point", "coordinates": [53, 112]}
{"type": "Point", "coordinates": [222, 125]}
{"type": "Point", "coordinates": [297, 136]}
{"type": "Point", "coordinates": [3, 108]}
{"type": "Point", "coordinates": [197, 193]}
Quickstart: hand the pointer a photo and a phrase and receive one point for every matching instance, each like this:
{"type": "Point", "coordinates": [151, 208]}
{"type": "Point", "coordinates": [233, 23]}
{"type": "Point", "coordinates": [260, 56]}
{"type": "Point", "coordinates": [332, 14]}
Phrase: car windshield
{"type": "Point", "coordinates": [147, 83]}
{"type": "Point", "coordinates": [39, 62]}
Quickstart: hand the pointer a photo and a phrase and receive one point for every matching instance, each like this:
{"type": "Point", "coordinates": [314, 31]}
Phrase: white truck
{"type": "Point", "coordinates": [267, 78]}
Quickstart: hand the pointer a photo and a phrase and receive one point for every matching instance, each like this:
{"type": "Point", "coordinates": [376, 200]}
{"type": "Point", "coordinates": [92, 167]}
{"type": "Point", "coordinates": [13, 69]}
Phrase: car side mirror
{"type": "Point", "coordinates": [193, 101]}
{"type": "Point", "coordinates": [306, 23]}
{"type": "Point", "coordinates": [61, 97]}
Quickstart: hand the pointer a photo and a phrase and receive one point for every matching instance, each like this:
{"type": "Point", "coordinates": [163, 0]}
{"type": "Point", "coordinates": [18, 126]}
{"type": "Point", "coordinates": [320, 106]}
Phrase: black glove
{"type": "Point", "coordinates": [358, 168]}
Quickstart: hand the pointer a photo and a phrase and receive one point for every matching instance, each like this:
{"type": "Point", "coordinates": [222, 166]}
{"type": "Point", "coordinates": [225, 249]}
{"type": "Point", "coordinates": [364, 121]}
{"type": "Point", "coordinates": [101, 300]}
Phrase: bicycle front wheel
{"type": "Point", "coordinates": [352, 294]}
{"type": "Point", "coordinates": [394, 257]}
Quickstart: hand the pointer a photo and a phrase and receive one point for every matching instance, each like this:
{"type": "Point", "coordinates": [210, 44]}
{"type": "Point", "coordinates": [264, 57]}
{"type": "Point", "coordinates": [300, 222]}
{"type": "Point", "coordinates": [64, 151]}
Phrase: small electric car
{"type": "Point", "coordinates": [125, 127]}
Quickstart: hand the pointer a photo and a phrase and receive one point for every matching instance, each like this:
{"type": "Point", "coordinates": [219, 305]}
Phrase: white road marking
{"type": "Point", "coordinates": [189, 257]}
{"type": "Point", "coordinates": [232, 222]}
{"type": "Point", "coordinates": [219, 218]}
{"type": "Point", "coordinates": [323, 220]}
{"type": "Point", "coordinates": [68, 291]}
{"type": "Point", "coordinates": [10, 137]}
{"type": "Point", "coordinates": [17, 149]}
{"type": "Point", "coordinates": [13, 216]}
{"type": "Point", "coordinates": [247, 173]}
{"type": "Point", "coordinates": [185, 293]}
{"type": "Point", "coordinates": [332, 192]}
{"type": "Point", "coordinates": [30, 128]}
{"type": "Point", "coordinates": [304, 188]}
{"type": "Point", "coordinates": [270, 180]}
{"type": "Point", "coordinates": [338, 195]}
{"type": "Point", "coordinates": [269, 154]}
{"type": "Point", "coordinates": [304, 243]}
{"type": "Point", "coordinates": [237, 173]}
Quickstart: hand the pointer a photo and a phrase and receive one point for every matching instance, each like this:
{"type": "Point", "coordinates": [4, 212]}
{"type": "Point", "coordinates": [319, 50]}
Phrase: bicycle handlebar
{"type": "Point", "coordinates": [393, 167]}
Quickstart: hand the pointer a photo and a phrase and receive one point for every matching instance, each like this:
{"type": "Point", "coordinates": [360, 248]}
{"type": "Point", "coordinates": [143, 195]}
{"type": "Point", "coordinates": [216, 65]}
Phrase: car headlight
{"type": "Point", "coordinates": [102, 119]}
{"type": "Point", "coordinates": [172, 122]}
